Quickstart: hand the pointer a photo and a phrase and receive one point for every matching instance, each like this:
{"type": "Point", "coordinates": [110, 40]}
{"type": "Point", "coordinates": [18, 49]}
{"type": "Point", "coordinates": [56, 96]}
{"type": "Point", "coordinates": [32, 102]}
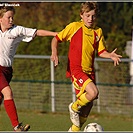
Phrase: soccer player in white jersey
{"type": "Point", "coordinates": [10, 37]}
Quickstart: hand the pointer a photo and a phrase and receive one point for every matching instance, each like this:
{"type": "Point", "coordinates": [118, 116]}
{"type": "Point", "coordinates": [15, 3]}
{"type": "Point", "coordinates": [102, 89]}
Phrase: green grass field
{"type": "Point", "coordinates": [61, 122]}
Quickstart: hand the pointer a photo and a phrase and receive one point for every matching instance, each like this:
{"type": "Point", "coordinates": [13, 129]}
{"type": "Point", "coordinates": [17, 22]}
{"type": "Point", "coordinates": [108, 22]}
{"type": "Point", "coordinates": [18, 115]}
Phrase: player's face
{"type": "Point", "coordinates": [7, 20]}
{"type": "Point", "coordinates": [89, 18]}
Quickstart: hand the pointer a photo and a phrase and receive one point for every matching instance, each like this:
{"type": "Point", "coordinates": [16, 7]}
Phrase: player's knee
{"type": "Point", "coordinates": [96, 94]}
{"type": "Point", "coordinates": [92, 91]}
{"type": "Point", "coordinates": [93, 94]}
{"type": "Point", "coordinates": [7, 93]}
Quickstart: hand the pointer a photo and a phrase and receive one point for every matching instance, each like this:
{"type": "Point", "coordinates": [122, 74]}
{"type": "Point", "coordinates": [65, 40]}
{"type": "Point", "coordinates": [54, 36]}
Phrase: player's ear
{"type": "Point", "coordinates": [81, 15]}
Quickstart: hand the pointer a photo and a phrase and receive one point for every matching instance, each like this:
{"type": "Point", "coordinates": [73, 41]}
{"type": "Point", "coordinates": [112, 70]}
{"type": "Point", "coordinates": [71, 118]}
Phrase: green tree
{"type": "Point", "coordinates": [116, 16]}
{"type": "Point", "coordinates": [115, 19]}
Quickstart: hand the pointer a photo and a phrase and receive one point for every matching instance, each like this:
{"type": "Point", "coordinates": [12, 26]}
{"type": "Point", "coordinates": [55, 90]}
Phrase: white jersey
{"type": "Point", "coordinates": [9, 41]}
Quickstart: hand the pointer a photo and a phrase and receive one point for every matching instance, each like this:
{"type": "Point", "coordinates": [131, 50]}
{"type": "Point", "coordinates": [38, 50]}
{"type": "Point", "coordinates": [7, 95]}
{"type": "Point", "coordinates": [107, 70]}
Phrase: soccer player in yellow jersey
{"type": "Point", "coordinates": [85, 38]}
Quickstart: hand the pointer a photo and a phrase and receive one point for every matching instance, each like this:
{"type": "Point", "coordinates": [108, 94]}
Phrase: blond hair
{"type": "Point", "coordinates": [88, 6]}
{"type": "Point", "coordinates": [4, 9]}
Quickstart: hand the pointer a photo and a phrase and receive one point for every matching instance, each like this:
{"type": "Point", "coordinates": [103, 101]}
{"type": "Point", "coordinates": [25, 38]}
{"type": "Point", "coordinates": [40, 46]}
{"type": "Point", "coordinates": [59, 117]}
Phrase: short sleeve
{"type": "Point", "coordinates": [67, 33]}
{"type": "Point", "coordinates": [27, 34]}
{"type": "Point", "coordinates": [101, 46]}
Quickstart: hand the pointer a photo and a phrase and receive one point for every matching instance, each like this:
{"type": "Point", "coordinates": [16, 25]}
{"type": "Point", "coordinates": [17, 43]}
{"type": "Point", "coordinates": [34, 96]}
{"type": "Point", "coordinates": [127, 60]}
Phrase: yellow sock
{"type": "Point", "coordinates": [75, 128]}
{"type": "Point", "coordinates": [81, 101]}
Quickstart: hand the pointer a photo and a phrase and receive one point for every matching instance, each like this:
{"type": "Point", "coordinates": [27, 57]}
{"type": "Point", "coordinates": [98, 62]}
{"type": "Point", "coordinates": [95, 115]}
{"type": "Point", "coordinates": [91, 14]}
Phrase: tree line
{"type": "Point", "coordinates": [115, 19]}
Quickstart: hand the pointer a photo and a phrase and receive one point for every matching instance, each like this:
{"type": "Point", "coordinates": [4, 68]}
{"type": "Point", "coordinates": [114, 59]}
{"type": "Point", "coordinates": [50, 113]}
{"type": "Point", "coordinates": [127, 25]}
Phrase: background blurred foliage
{"type": "Point", "coordinates": [115, 19]}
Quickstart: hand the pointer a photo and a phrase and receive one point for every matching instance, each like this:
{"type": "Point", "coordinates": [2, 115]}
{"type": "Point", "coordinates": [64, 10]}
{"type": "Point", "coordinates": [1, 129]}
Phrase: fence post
{"type": "Point", "coordinates": [129, 52]}
{"type": "Point", "coordinates": [97, 81]}
{"type": "Point", "coordinates": [73, 94]}
{"type": "Point", "coordinates": [52, 87]}
{"type": "Point", "coordinates": [131, 72]}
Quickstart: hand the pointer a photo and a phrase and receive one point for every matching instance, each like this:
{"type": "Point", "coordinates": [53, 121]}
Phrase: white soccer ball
{"type": "Point", "coordinates": [93, 127]}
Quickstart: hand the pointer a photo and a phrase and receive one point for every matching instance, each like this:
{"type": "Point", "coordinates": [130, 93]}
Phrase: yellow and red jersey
{"type": "Point", "coordinates": [83, 43]}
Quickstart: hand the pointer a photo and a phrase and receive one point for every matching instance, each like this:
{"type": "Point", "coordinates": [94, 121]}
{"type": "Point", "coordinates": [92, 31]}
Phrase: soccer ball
{"type": "Point", "coordinates": [93, 127]}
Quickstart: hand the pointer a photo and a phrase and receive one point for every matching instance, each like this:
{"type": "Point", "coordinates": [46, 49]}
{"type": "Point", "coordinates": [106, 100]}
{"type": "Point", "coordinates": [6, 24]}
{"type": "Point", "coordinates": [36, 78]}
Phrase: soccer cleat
{"type": "Point", "coordinates": [74, 116]}
{"type": "Point", "coordinates": [20, 127]}
{"type": "Point", "coordinates": [70, 129]}
{"type": "Point", "coordinates": [76, 130]}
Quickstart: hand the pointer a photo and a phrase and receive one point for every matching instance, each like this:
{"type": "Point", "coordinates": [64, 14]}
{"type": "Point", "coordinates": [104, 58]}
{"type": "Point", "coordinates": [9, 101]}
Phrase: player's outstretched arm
{"type": "Point", "coordinates": [45, 33]}
{"type": "Point", "coordinates": [54, 55]}
{"type": "Point", "coordinates": [115, 57]}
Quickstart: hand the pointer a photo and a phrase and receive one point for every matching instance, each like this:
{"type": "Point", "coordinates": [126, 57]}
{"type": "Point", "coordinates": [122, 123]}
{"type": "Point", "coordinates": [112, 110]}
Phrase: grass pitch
{"type": "Point", "coordinates": [61, 122]}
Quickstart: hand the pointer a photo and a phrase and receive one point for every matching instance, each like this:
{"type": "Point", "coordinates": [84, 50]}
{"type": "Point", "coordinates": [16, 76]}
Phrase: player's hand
{"type": "Point", "coordinates": [115, 57]}
{"type": "Point", "coordinates": [55, 59]}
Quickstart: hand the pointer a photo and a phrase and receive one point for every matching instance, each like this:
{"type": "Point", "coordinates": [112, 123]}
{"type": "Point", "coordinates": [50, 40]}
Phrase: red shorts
{"type": "Point", "coordinates": [80, 81]}
{"type": "Point", "coordinates": [5, 76]}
